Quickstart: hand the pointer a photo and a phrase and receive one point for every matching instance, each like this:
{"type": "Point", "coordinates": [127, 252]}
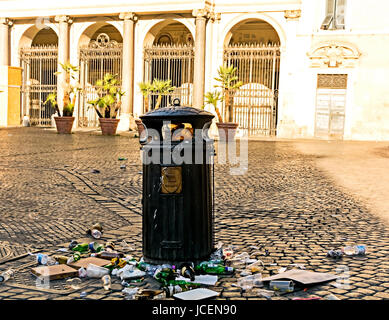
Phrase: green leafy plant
{"type": "Point", "coordinates": [228, 82]}
{"type": "Point", "coordinates": [146, 88]}
{"type": "Point", "coordinates": [162, 87]}
{"type": "Point", "coordinates": [71, 86]}
{"type": "Point", "coordinates": [109, 99]}
{"type": "Point", "coordinates": [213, 98]}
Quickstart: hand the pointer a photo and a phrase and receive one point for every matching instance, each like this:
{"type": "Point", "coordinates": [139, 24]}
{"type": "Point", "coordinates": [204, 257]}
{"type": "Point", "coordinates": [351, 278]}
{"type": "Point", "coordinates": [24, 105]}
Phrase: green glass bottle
{"type": "Point", "coordinates": [164, 275]}
{"type": "Point", "coordinates": [199, 267]}
{"type": "Point", "coordinates": [82, 247]}
{"type": "Point", "coordinates": [211, 268]}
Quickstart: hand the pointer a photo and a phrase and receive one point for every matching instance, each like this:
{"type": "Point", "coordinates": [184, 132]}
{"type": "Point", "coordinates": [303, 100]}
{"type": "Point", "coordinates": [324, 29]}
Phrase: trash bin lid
{"type": "Point", "coordinates": [177, 114]}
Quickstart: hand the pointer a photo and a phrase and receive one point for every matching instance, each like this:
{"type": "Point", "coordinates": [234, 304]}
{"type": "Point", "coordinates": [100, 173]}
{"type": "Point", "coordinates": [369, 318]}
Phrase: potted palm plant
{"type": "Point", "coordinates": [228, 82]}
{"type": "Point", "coordinates": [162, 87]}
{"type": "Point", "coordinates": [146, 88]}
{"type": "Point", "coordinates": [108, 103]}
{"type": "Point", "coordinates": [64, 121]}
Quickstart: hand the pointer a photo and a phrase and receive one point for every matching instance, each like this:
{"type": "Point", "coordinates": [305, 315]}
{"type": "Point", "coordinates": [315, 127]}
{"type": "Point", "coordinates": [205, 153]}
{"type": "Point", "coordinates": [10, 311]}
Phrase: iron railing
{"type": "Point", "coordinates": [170, 62]}
{"type": "Point", "coordinates": [255, 103]}
{"type": "Point", "coordinates": [39, 64]}
{"type": "Point", "coordinates": [96, 59]}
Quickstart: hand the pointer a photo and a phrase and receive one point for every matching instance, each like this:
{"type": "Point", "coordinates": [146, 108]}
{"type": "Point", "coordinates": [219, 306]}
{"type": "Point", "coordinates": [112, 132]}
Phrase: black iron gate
{"type": "Point", "coordinates": [255, 104]}
{"type": "Point", "coordinates": [39, 65]}
{"type": "Point", "coordinates": [98, 58]}
{"type": "Point", "coordinates": [170, 62]}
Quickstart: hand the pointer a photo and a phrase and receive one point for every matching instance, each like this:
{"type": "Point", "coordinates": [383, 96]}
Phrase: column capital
{"type": "Point", "coordinates": [63, 18]}
{"type": "Point", "coordinates": [214, 16]}
{"type": "Point", "coordinates": [128, 16]}
{"type": "Point", "coordinates": [6, 21]}
{"type": "Point", "coordinates": [201, 13]}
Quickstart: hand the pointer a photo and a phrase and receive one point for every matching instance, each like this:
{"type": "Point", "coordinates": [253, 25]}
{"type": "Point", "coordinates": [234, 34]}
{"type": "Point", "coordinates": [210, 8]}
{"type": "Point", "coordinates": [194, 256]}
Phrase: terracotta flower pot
{"type": "Point", "coordinates": [108, 125]}
{"type": "Point", "coordinates": [64, 124]}
{"type": "Point", "coordinates": [227, 130]}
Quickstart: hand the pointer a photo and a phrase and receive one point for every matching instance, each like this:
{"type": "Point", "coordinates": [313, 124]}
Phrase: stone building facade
{"type": "Point", "coordinates": [310, 68]}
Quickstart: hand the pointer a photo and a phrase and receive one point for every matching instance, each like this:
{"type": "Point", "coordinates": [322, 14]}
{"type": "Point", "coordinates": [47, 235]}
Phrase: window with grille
{"type": "Point", "coordinates": [335, 12]}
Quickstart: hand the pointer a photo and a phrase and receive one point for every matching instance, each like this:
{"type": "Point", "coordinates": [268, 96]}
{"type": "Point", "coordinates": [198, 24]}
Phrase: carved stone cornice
{"type": "Point", "coordinates": [128, 16]}
{"type": "Point", "coordinates": [201, 13]}
{"type": "Point", "coordinates": [214, 16]}
{"type": "Point", "coordinates": [7, 22]}
{"type": "Point", "coordinates": [333, 55]}
{"type": "Point", "coordinates": [292, 14]}
{"type": "Point", "coordinates": [62, 19]}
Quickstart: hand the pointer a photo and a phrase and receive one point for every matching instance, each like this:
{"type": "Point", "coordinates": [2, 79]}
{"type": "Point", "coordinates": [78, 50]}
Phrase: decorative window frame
{"type": "Point", "coordinates": [333, 55]}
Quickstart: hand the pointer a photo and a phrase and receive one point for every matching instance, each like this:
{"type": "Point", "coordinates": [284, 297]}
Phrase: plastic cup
{"type": "Point", "coordinates": [93, 271]}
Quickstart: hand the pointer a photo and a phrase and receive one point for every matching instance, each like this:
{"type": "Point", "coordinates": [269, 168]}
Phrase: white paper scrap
{"type": "Point", "coordinates": [196, 294]}
{"type": "Point", "coordinates": [206, 279]}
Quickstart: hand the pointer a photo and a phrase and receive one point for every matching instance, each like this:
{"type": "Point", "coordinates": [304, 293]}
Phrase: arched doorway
{"type": "Point", "coordinates": [169, 55]}
{"type": "Point", "coordinates": [253, 47]}
{"type": "Point", "coordinates": [39, 59]}
{"type": "Point", "coordinates": [100, 52]}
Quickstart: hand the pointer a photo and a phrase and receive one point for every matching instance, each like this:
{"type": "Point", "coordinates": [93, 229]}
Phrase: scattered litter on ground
{"type": "Point", "coordinates": [206, 279]}
{"type": "Point", "coordinates": [264, 293]}
{"type": "Point", "coordinates": [139, 280]}
{"type": "Point", "coordinates": [93, 271]}
{"type": "Point", "coordinates": [106, 280]}
{"type": "Point", "coordinates": [355, 250]}
{"type": "Point", "coordinates": [279, 285]}
{"type": "Point", "coordinates": [74, 283]}
{"type": "Point", "coordinates": [6, 275]}
{"type": "Point", "coordinates": [95, 231]}
{"type": "Point", "coordinates": [196, 294]}
{"type": "Point", "coordinates": [303, 276]}
{"type": "Point", "coordinates": [249, 282]}
{"type": "Point", "coordinates": [55, 272]}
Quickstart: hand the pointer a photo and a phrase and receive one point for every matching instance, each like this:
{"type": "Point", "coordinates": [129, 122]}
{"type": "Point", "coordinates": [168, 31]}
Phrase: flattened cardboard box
{"type": "Point", "coordinates": [59, 271]}
{"type": "Point", "coordinates": [83, 263]}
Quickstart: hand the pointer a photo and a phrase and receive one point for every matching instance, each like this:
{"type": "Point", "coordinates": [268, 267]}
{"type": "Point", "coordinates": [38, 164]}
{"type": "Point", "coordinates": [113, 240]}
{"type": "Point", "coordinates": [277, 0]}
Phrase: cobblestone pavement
{"type": "Point", "coordinates": [285, 204]}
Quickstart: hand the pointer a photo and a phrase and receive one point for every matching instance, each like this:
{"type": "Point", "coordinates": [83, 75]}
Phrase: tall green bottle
{"type": "Point", "coordinates": [212, 268]}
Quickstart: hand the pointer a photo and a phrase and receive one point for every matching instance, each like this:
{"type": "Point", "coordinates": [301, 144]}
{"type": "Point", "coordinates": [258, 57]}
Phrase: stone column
{"type": "Point", "coordinates": [63, 55]}
{"type": "Point", "coordinates": [5, 24]}
{"type": "Point", "coordinates": [127, 107]}
{"type": "Point", "coordinates": [199, 58]}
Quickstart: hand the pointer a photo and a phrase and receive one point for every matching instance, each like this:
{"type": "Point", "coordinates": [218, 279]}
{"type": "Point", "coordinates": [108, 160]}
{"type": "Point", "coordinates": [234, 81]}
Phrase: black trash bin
{"type": "Point", "coordinates": [177, 185]}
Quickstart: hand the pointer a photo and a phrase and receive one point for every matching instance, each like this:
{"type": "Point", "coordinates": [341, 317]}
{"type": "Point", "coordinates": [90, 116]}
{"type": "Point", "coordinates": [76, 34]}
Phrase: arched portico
{"type": "Point", "coordinates": [252, 45]}
{"type": "Point", "coordinates": [100, 52]}
{"type": "Point", "coordinates": [169, 55]}
{"type": "Point", "coordinates": [38, 49]}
